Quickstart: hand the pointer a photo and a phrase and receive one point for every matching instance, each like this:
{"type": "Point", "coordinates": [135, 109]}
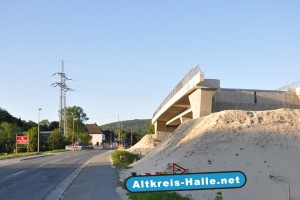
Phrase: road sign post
{"type": "Point", "coordinates": [21, 140]}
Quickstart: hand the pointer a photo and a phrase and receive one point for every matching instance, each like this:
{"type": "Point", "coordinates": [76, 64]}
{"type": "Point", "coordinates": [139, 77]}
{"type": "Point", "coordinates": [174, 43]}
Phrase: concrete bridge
{"type": "Point", "coordinates": [195, 97]}
{"type": "Point", "coordinates": [191, 99]}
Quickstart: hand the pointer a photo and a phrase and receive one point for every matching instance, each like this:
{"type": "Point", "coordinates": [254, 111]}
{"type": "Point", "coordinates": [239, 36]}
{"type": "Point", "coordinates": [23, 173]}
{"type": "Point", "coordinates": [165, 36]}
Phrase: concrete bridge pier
{"type": "Point", "coordinates": [201, 101]}
{"type": "Point", "coordinates": [162, 131]}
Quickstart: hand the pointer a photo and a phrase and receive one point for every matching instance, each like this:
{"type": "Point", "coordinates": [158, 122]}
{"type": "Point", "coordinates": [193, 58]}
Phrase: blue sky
{"type": "Point", "coordinates": [126, 56]}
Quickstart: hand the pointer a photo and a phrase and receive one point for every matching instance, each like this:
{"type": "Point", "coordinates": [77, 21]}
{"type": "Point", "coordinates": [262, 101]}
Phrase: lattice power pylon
{"type": "Point", "coordinates": [63, 99]}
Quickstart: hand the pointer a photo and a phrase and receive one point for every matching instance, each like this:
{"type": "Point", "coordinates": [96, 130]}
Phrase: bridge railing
{"type": "Point", "coordinates": [290, 86]}
{"type": "Point", "coordinates": [191, 74]}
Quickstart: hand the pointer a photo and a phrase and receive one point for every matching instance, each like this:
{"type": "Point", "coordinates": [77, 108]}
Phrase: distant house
{"type": "Point", "coordinates": [96, 132]}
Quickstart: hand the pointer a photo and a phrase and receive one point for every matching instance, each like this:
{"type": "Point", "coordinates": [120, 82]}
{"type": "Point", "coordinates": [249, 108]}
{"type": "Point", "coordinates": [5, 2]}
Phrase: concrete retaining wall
{"type": "Point", "coordinates": [235, 99]}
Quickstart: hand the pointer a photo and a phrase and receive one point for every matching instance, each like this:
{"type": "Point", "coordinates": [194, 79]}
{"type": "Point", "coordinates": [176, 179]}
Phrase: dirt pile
{"type": "Point", "coordinates": [146, 144]}
{"type": "Point", "coordinates": [265, 145]}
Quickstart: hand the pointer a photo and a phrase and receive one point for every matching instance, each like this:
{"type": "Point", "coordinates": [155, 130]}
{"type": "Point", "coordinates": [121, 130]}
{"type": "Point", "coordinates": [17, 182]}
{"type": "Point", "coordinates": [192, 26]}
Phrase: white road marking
{"type": "Point", "coordinates": [15, 174]}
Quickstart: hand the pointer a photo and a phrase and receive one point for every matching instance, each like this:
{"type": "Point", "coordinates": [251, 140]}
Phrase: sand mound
{"type": "Point", "coordinates": [146, 144]}
{"type": "Point", "coordinates": [265, 145]}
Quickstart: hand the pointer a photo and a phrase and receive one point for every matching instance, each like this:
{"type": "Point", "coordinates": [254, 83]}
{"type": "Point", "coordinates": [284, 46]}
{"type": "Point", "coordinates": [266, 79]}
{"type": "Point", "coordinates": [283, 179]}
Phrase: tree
{"type": "Point", "coordinates": [30, 124]}
{"type": "Point", "coordinates": [77, 114]}
{"type": "Point", "coordinates": [44, 125]}
{"type": "Point", "coordinates": [6, 116]}
{"type": "Point", "coordinates": [151, 129]}
{"type": "Point", "coordinates": [33, 139]}
{"type": "Point", "coordinates": [85, 138]}
{"type": "Point", "coordinates": [56, 140]}
{"type": "Point", "coordinates": [53, 125]}
{"type": "Point", "coordinates": [32, 133]}
{"type": "Point", "coordinates": [7, 137]}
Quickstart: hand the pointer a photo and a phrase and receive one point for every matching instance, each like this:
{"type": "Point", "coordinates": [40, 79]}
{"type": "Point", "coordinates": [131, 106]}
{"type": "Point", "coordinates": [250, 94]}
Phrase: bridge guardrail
{"type": "Point", "coordinates": [192, 73]}
{"type": "Point", "coordinates": [290, 86]}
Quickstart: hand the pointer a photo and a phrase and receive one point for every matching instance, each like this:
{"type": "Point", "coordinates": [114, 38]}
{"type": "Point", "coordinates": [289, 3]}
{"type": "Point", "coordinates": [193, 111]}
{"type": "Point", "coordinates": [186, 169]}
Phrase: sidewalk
{"type": "Point", "coordinates": [97, 181]}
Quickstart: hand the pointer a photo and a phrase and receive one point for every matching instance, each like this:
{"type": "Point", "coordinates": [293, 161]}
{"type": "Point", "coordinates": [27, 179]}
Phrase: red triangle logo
{"type": "Point", "coordinates": [177, 169]}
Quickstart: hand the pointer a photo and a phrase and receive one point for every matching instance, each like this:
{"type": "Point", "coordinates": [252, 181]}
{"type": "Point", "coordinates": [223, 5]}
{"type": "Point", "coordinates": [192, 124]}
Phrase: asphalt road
{"type": "Point", "coordinates": [35, 178]}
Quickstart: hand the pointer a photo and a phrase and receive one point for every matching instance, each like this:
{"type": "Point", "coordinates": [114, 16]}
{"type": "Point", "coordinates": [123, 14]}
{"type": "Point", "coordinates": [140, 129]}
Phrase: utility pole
{"type": "Point", "coordinates": [73, 133]}
{"type": "Point", "coordinates": [121, 134]}
{"type": "Point", "coordinates": [38, 145]}
{"type": "Point", "coordinates": [131, 137]}
{"type": "Point", "coordinates": [63, 98]}
{"type": "Point", "coordinates": [119, 137]}
{"type": "Point", "coordinates": [110, 136]}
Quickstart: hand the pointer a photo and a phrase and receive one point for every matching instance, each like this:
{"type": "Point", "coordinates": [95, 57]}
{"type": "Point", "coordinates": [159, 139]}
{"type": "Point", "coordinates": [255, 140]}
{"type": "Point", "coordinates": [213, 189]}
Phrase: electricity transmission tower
{"type": "Point", "coordinates": [63, 98]}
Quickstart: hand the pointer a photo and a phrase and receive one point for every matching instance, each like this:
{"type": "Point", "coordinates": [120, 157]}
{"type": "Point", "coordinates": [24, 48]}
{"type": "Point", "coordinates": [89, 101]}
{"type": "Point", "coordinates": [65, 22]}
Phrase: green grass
{"type": "Point", "coordinates": [157, 195]}
{"type": "Point", "coordinates": [17, 155]}
{"type": "Point", "coordinates": [55, 151]}
{"type": "Point", "coordinates": [14, 155]}
{"type": "Point", "coordinates": [123, 163]}
{"type": "Point", "coordinates": [154, 195]}
{"type": "Point", "coordinates": [121, 159]}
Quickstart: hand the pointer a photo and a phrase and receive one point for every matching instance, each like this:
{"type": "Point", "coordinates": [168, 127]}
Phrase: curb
{"type": "Point", "coordinates": [34, 157]}
{"type": "Point", "coordinates": [60, 188]}
{"type": "Point", "coordinates": [56, 193]}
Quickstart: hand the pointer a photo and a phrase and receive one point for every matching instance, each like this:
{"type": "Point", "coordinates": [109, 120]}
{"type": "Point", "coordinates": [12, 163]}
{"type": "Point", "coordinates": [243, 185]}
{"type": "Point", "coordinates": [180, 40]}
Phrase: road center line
{"type": "Point", "coordinates": [15, 174]}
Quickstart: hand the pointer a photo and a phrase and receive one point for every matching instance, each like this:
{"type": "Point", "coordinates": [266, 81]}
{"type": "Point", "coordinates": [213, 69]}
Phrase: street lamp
{"type": "Point", "coordinates": [38, 149]}
{"type": "Point", "coordinates": [73, 139]}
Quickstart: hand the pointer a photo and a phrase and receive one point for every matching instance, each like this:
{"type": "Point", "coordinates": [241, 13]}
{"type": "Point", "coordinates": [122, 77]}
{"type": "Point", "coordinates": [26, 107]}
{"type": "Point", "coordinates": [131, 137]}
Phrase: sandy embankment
{"type": "Point", "coordinates": [265, 145]}
{"type": "Point", "coordinates": [144, 146]}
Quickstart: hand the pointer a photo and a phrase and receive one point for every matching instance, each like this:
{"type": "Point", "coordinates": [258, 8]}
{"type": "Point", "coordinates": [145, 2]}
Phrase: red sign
{"type": "Point", "coordinates": [178, 169]}
{"type": "Point", "coordinates": [22, 139]}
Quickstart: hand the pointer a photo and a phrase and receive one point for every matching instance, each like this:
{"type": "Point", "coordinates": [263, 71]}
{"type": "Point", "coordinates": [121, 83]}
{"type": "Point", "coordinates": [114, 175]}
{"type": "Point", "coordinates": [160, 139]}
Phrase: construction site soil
{"type": "Point", "coordinates": [265, 145]}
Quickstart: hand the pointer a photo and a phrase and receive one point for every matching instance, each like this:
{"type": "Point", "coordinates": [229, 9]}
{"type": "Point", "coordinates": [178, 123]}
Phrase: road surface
{"type": "Point", "coordinates": [97, 181]}
{"type": "Point", "coordinates": [34, 179]}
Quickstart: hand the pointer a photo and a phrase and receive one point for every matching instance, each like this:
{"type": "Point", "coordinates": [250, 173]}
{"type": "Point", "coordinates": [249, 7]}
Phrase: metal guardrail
{"type": "Point", "coordinates": [290, 86]}
{"type": "Point", "coordinates": [191, 74]}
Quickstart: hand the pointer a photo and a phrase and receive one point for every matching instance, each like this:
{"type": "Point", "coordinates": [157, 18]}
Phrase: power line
{"type": "Point", "coordinates": [63, 97]}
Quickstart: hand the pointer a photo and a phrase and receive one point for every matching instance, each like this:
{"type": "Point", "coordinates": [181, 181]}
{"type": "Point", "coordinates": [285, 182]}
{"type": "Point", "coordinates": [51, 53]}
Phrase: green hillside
{"type": "Point", "coordinates": [138, 126]}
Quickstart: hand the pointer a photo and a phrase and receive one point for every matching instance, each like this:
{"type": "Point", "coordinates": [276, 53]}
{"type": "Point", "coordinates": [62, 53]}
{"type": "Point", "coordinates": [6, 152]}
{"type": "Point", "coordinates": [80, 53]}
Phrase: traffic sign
{"type": "Point", "coordinates": [177, 169]}
{"type": "Point", "coordinates": [22, 140]}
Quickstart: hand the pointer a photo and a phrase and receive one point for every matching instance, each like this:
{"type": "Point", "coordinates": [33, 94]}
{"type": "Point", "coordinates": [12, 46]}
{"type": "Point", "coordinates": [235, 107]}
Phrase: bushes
{"type": "Point", "coordinates": [123, 158]}
{"type": "Point", "coordinates": [218, 196]}
{"type": "Point", "coordinates": [157, 195]}
{"type": "Point", "coordinates": [7, 138]}
{"type": "Point", "coordinates": [56, 140]}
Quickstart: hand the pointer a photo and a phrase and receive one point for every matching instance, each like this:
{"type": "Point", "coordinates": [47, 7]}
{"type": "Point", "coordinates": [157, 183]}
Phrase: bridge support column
{"type": "Point", "coordinates": [184, 119]}
{"type": "Point", "coordinates": [201, 102]}
{"type": "Point", "coordinates": [298, 92]}
{"type": "Point", "coordinates": [162, 131]}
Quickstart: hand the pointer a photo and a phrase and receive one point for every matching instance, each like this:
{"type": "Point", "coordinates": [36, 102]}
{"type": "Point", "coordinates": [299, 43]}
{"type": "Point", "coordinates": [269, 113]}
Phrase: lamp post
{"type": "Point", "coordinates": [38, 146]}
{"type": "Point", "coordinates": [73, 139]}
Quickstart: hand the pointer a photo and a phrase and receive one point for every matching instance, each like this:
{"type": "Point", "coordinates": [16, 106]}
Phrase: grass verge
{"type": "Point", "coordinates": [157, 195]}
{"type": "Point", "coordinates": [17, 155]}
{"type": "Point", "coordinates": [121, 159]}
{"type": "Point", "coordinates": [14, 155]}
{"type": "Point", "coordinates": [55, 151]}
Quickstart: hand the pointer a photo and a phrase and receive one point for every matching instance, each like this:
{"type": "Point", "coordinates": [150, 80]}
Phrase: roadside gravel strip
{"type": "Point", "coordinates": [36, 156]}
{"type": "Point", "coordinates": [10, 161]}
{"type": "Point", "coordinates": [60, 188]}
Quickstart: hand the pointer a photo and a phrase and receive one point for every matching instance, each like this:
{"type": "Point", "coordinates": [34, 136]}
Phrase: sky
{"type": "Point", "coordinates": [125, 57]}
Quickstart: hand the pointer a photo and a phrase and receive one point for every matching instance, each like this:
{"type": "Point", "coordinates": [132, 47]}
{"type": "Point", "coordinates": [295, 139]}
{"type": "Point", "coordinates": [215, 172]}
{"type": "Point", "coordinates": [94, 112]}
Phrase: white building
{"type": "Point", "coordinates": [96, 132]}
